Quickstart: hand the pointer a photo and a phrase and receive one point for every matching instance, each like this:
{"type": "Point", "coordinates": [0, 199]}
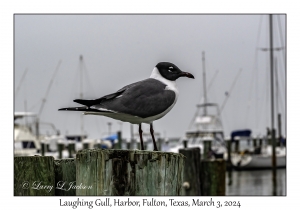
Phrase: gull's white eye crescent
{"type": "Point", "coordinates": [170, 69]}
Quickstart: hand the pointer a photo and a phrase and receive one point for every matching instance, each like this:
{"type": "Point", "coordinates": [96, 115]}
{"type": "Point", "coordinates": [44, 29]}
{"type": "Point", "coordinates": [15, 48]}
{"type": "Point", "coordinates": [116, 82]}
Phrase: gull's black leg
{"type": "Point", "coordinates": [141, 136]}
{"type": "Point", "coordinates": [153, 139]}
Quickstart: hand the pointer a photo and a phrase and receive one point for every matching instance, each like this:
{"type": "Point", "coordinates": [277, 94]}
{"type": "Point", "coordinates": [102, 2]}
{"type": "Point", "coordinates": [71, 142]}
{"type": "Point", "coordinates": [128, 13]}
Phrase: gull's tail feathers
{"type": "Point", "coordinates": [84, 109]}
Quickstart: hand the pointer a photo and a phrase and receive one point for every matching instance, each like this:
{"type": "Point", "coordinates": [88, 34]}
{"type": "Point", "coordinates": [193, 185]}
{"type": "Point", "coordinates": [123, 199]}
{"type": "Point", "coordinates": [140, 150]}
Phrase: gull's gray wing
{"type": "Point", "coordinates": [143, 99]}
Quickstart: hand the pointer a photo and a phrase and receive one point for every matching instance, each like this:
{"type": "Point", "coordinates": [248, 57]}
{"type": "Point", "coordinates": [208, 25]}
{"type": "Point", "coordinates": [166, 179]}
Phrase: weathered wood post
{"type": "Point", "coordinates": [119, 144]}
{"type": "Point", "coordinates": [280, 143]}
{"type": "Point", "coordinates": [229, 162]}
{"type": "Point", "coordinates": [34, 175]}
{"type": "Point", "coordinates": [185, 143]}
{"type": "Point", "coordinates": [129, 172]}
{"type": "Point", "coordinates": [191, 174]}
{"type": "Point", "coordinates": [260, 142]}
{"type": "Point", "coordinates": [146, 143]}
{"type": "Point", "coordinates": [86, 144]}
{"type": "Point", "coordinates": [128, 144]}
{"type": "Point", "coordinates": [71, 149]}
{"type": "Point", "coordinates": [207, 146]}
{"type": "Point", "coordinates": [237, 145]}
{"type": "Point", "coordinates": [43, 148]}
{"type": "Point", "coordinates": [138, 144]}
{"type": "Point", "coordinates": [213, 174]}
{"type": "Point", "coordinates": [159, 143]}
{"type": "Point", "coordinates": [65, 177]}
{"type": "Point", "coordinates": [254, 142]}
{"type": "Point", "coordinates": [60, 148]}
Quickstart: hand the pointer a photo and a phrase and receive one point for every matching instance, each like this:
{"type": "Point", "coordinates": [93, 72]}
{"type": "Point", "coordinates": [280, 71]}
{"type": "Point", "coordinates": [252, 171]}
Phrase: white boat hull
{"type": "Point", "coordinates": [256, 161]}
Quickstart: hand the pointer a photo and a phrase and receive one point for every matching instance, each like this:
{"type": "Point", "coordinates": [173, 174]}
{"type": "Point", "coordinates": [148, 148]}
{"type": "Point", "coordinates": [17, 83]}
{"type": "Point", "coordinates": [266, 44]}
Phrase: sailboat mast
{"type": "Point", "coordinates": [272, 73]}
{"type": "Point", "coordinates": [277, 102]}
{"type": "Point", "coordinates": [276, 86]}
{"type": "Point", "coordinates": [81, 92]}
{"type": "Point", "coordinates": [204, 83]}
{"type": "Point", "coordinates": [272, 108]}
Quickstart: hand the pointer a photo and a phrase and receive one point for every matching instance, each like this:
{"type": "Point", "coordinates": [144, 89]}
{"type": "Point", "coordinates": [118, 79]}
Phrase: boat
{"type": "Point", "coordinates": [28, 143]}
{"type": "Point", "coordinates": [28, 139]}
{"type": "Point", "coordinates": [25, 141]}
{"type": "Point", "coordinates": [206, 130]}
{"type": "Point", "coordinates": [254, 153]}
{"type": "Point", "coordinates": [206, 133]}
{"type": "Point", "coordinates": [271, 151]}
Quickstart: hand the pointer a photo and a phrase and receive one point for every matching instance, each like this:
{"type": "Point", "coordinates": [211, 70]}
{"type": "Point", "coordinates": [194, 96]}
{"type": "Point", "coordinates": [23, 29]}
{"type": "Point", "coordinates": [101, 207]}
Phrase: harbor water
{"type": "Point", "coordinates": [256, 183]}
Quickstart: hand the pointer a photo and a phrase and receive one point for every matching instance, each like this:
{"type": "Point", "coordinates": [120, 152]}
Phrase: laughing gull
{"type": "Point", "coordinates": [140, 102]}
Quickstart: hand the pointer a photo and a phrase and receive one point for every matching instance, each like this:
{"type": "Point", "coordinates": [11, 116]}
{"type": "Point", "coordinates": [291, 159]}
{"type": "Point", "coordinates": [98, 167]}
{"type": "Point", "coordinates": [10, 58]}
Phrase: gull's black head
{"type": "Point", "coordinates": [171, 71]}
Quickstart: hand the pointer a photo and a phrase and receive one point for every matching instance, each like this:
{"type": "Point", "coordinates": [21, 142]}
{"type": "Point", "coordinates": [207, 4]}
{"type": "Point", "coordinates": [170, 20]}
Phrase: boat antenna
{"type": "Point", "coordinates": [44, 101]}
{"type": "Point", "coordinates": [209, 86]}
{"type": "Point", "coordinates": [21, 81]}
{"type": "Point", "coordinates": [204, 83]}
{"type": "Point", "coordinates": [48, 89]}
{"type": "Point", "coordinates": [230, 90]}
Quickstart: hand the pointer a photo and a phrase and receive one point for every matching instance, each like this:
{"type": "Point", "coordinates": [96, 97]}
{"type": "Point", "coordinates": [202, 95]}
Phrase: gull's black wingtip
{"type": "Point", "coordinates": [85, 102]}
{"type": "Point", "coordinates": [82, 108]}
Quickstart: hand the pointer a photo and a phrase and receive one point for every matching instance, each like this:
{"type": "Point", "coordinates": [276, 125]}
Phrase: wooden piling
{"type": "Point", "coordinates": [43, 148]}
{"type": "Point", "coordinates": [159, 143]}
{"type": "Point", "coordinates": [129, 172]}
{"type": "Point", "coordinates": [128, 145]}
{"type": "Point", "coordinates": [60, 148]}
{"type": "Point", "coordinates": [254, 142]}
{"type": "Point", "coordinates": [65, 177]}
{"type": "Point", "coordinates": [146, 144]}
{"type": "Point", "coordinates": [71, 149]}
{"type": "Point", "coordinates": [138, 145]}
{"type": "Point", "coordinates": [236, 145]}
{"type": "Point", "coordinates": [260, 142]}
{"type": "Point", "coordinates": [274, 162]}
{"type": "Point", "coordinates": [34, 176]}
{"type": "Point", "coordinates": [191, 174]}
{"type": "Point", "coordinates": [85, 145]}
{"type": "Point", "coordinates": [119, 144]}
{"type": "Point", "coordinates": [229, 164]}
{"type": "Point", "coordinates": [185, 143]}
{"type": "Point", "coordinates": [213, 174]}
{"type": "Point", "coordinates": [279, 130]}
{"type": "Point", "coordinates": [207, 147]}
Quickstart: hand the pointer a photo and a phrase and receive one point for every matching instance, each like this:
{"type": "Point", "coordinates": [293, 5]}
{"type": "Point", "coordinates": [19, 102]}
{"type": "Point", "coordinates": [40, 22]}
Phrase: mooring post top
{"type": "Point", "coordinates": [129, 172]}
{"type": "Point", "coordinates": [122, 152]}
{"type": "Point", "coordinates": [65, 160]}
{"type": "Point", "coordinates": [190, 148]}
{"type": "Point", "coordinates": [213, 160]}
{"type": "Point", "coordinates": [32, 157]}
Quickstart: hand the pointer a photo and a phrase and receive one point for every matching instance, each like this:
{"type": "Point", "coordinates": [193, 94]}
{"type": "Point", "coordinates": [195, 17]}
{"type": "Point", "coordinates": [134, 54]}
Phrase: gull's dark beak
{"type": "Point", "coordinates": [186, 74]}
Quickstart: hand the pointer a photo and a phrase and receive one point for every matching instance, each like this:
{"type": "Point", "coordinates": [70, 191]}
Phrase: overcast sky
{"type": "Point", "coordinates": [121, 49]}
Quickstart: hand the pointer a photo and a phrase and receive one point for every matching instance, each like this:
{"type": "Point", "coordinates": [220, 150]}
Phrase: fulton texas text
{"type": "Point", "coordinates": [145, 202]}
